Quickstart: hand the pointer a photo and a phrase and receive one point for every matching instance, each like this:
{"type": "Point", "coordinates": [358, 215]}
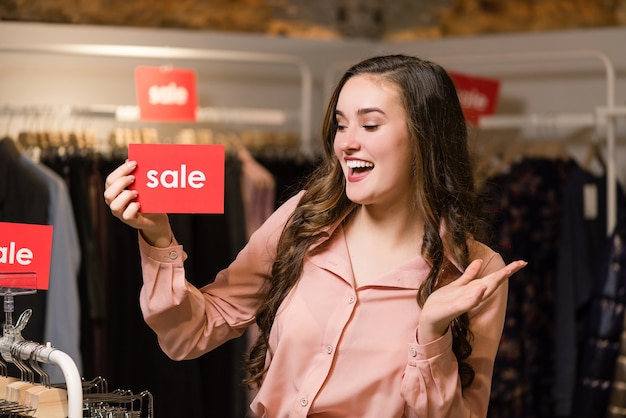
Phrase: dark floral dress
{"type": "Point", "coordinates": [524, 207]}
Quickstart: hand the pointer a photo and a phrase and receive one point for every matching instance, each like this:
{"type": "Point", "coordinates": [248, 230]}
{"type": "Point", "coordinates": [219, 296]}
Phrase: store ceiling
{"type": "Point", "coordinates": [329, 19]}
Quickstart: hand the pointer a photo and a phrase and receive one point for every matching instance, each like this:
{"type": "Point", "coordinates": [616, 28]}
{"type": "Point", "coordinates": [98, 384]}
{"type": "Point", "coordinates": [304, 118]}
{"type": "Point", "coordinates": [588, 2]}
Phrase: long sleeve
{"type": "Point", "coordinates": [190, 321]}
{"type": "Point", "coordinates": [326, 329]}
{"type": "Point", "coordinates": [431, 386]}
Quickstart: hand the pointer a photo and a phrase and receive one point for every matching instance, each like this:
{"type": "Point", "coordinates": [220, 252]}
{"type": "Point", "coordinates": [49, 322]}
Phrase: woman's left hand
{"type": "Point", "coordinates": [460, 296]}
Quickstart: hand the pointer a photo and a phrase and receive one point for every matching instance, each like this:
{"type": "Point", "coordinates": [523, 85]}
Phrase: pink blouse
{"type": "Point", "coordinates": [337, 350]}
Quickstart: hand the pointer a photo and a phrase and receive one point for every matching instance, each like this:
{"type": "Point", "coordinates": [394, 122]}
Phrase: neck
{"type": "Point", "coordinates": [392, 226]}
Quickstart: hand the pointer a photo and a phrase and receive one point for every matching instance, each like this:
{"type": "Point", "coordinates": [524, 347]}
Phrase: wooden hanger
{"type": "Point", "coordinates": [5, 380]}
{"type": "Point", "coordinates": [593, 154]}
{"type": "Point", "coordinates": [16, 391]}
{"type": "Point", "coordinates": [48, 402]}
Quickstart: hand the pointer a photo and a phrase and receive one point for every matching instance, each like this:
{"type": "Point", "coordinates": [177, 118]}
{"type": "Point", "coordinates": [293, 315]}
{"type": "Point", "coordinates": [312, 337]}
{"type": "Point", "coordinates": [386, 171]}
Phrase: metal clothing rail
{"type": "Point", "coordinates": [14, 348]}
{"type": "Point", "coordinates": [177, 53]}
{"type": "Point", "coordinates": [605, 116]}
{"type": "Point", "coordinates": [128, 113]}
{"type": "Point", "coordinates": [47, 354]}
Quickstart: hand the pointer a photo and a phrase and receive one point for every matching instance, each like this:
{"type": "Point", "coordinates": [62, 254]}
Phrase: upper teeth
{"type": "Point", "coordinates": [359, 164]}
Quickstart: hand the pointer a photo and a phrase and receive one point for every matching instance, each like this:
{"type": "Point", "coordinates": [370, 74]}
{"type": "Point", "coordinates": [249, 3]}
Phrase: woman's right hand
{"type": "Point", "coordinates": [154, 227]}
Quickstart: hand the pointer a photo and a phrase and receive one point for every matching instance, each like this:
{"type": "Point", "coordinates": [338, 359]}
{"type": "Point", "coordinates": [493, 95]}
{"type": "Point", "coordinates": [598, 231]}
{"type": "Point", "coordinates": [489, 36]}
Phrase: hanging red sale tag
{"type": "Point", "coordinates": [478, 95]}
{"type": "Point", "coordinates": [166, 94]}
{"type": "Point", "coordinates": [179, 178]}
{"type": "Point", "coordinates": [25, 251]}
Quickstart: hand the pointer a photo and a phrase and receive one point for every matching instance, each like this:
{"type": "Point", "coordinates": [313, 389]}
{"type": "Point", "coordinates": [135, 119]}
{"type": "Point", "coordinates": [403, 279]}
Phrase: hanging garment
{"type": "Point", "coordinates": [525, 207]}
{"type": "Point", "coordinates": [85, 182]}
{"type": "Point", "coordinates": [604, 327]}
{"type": "Point", "coordinates": [62, 317]}
{"type": "Point", "coordinates": [288, 173]}
{"type": "Point", "coordinates": [258, 191]}
{"type": "Point", "coordinates": [617, 400]}
{"type": "Point", "coordinates": [582, 247]}
{"type": "Point", "coordinates": [24, 198]}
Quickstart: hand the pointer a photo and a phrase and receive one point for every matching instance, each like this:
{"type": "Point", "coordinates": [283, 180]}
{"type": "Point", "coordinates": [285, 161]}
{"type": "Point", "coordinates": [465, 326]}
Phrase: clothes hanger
{"type": "Point", "coordinates": [9, 147]}
{"type": "Point", "coordinates": [594, 154]}
{"type": "Point", "coordinates": [16, 391]}
{"type": "Point", "coordinates": [7, 129]}
{"type": "Point", "coordinates": [120, 401]}
{"type": "Point", "coordinates": [5, 379]}
{"type": "Point", "coordinates": [487, 154]}
{"type": "Point", "coordinates": [45, 400]}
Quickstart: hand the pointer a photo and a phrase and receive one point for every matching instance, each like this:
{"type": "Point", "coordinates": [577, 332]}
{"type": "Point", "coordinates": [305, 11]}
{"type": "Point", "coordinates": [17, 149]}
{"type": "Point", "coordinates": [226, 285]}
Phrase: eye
{"type": "Point", "coordinates": [340, 124]}
{"type": "Point", "coordinates": [371, 127]}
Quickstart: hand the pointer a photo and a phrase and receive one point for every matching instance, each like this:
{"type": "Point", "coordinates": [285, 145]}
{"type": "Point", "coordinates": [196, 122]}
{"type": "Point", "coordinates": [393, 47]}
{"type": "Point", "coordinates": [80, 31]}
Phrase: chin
{"type": "Point", "coordinates": [358, 199]}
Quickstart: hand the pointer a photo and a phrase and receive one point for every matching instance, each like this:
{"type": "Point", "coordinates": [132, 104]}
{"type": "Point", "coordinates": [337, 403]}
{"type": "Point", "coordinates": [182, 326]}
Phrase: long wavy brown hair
{"type": "Point", "coordinates": [443, 189]}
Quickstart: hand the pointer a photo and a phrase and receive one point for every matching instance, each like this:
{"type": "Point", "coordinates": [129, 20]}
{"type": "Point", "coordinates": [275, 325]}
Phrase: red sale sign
{"type": "Point", "coordinates": [478, 95]}
{"type": "Point", "coordinates": [25, 251]}
{"type": "Point", "coordinates": [179, 178]}
{"type": "Point", "coordinates": [166, 94]}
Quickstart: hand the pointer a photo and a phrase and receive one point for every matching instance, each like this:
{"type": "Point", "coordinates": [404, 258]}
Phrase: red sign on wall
{"type": "Point", "coordinates": [179, 178]}
{"type": "Point", "coordinates": [478, 95]}
{"type": "Point", "coordinates": [25, 251]}
{"type": "Point", "coordinates": [166, 94]}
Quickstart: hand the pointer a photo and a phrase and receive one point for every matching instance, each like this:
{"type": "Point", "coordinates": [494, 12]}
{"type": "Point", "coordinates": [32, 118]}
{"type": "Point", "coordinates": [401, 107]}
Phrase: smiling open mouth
{"type": "Point", "coordinates": [358, 168]}
{"type": "Point", "coordinates": [357, 165]}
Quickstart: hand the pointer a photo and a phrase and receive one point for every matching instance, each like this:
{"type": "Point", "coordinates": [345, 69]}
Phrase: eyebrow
{"type": "Point", "coordinates": [363, 111]}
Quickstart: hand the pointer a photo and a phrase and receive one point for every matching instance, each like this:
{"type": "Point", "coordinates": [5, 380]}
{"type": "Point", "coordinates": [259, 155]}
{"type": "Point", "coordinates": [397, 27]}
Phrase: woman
{"type": "Point", "coordinates": [372, 294]}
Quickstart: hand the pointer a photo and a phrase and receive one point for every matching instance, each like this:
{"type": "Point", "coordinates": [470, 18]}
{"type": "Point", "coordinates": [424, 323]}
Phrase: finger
{"type": "Point", "coordinates": [495, 279]}
{"type": "Point", "coordinates": [122, 170]}
{"type": "Point", "coordinates": [131, 212]}
{"type": "Point", "coordinates": [470, 273]}
{"type": "Point", "coordinates": [515, 266]}
{"type": "Point", "coordinates": [505, 271]}
{"type": "Point", "coordinates": [117, 188]}
{"type": "Point", "coordinates": [122, 201]}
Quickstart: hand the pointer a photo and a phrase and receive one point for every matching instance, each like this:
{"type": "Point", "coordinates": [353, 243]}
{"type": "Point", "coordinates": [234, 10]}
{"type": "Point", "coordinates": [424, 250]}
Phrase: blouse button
{"type": "Point", "coordinates": [351, 299]}
{"type": "Point", "coordinates": [173, 255]}
{"type": "Point", "coordinates": [329, 349]}
{"type": "Point", "coordinates": [304, 402]}
{"type": "Point", "coordinates": [413, 352]}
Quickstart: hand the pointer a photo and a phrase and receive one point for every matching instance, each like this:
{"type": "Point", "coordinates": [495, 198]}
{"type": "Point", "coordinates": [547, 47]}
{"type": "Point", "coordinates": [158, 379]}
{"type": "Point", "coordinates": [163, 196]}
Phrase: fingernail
{"type": "Point", "coordinates": [131, 164]}
{"type": "Point", "coordinates": [131, 177]}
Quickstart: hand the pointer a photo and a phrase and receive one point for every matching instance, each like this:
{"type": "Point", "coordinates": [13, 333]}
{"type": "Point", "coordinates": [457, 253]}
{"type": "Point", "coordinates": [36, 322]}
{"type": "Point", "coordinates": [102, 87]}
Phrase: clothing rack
{"type": "Point", "coordinates": [128, 113]}
{"type": "Point", "coordinates": [168, 54]}
{"type": "Point", "coordinates": [604, 116]}
{"type": "Point", "coordinates": [13, 347]}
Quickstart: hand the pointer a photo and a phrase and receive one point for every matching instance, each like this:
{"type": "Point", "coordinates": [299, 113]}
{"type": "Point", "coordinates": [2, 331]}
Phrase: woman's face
{"type": "Point", "coordinates": [372, 142]}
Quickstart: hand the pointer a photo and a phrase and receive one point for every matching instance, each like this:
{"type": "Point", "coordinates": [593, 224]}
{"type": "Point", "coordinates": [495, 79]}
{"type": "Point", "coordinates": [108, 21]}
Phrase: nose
{"type": "Point", "coordinates": [348, 141]}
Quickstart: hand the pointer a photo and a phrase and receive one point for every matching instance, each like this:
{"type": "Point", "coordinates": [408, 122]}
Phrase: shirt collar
{"type": "Point", "coordinates": [335, 257]}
